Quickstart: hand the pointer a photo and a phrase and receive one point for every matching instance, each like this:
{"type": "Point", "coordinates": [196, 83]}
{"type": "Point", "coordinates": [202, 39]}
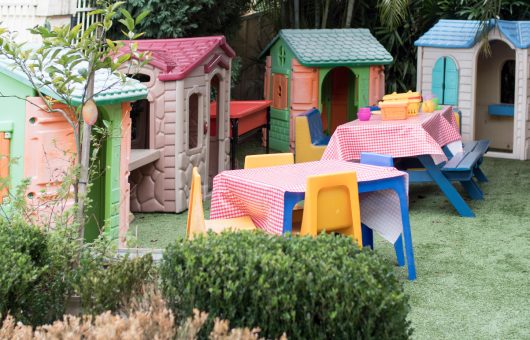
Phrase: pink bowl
{"type": "Point", "coordinates": [364, 113]}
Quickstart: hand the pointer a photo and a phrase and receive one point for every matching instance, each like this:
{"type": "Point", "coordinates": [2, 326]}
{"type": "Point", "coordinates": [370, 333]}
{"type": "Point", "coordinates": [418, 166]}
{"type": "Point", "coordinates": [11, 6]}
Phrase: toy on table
{"type": "Point", "coordinates": [413, 100]}
{"type": "Point", "coordinates": [364, 113]}
{"type": "Point", "coordinates": [307, 68]}
{"type": "Point", "coordinates": [394, 109]}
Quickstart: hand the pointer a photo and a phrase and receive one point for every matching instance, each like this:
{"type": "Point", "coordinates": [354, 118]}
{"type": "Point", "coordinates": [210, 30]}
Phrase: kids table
{"type": "Point", "coordinates": [268, 196]}
{"type": "Point", "coordinates": [246, 118]}
{"type": "Point", "coordinates": [428, 137]}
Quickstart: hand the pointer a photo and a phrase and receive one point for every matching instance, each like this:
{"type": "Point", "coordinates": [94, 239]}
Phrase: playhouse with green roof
{"type": "Point", "coordinates": [335, 70]}
{"type": "Point", "coordinates": [40, 146]}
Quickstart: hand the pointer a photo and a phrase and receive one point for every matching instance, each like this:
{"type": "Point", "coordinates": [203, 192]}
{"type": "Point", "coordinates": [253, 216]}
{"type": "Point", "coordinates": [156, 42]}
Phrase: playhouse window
{"type": "Point", "coordinates": [142, 78]}
{"type": "Point", "coordinates": [281, 55]}
{"type": "Point", "coordinates": [140, 124]}
{"type": "Point", "coordinates": [508, 82]}
{"type": "Point", "coordinates": [193, 121]}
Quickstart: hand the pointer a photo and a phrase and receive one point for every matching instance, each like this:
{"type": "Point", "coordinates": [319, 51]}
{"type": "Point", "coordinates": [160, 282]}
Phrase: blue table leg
{"type": "Point", "coordinates": [290, 200]}
{"type": "Point", "coordinates": [445, 185]}
{"type": "Point", "coordinates": [407, 234]}
{"type": "Point", "coordinates": [368, 236]}
{"type": "Point", "coordinates": [472, 189]}
{"type": "Point", "coordinates": [398, 246]}
{"type": "Point", "coordinates": [481, 177]}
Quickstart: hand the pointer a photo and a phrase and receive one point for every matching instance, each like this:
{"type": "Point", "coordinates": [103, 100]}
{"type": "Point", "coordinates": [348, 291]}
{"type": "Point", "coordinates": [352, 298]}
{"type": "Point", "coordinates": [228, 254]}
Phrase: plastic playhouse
{"type": "Point", "coordinates": [43, 146]}
{"type": "Point", "coordinates": [185, 121]}
{"type": "Point", "coordinates": [335, 70]}
{"type": "Point", "coordinates": [491, 91]}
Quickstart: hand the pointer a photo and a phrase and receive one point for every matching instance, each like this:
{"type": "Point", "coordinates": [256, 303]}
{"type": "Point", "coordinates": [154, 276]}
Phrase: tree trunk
{"type": "Point", "coordinates": [296, 5]}
{"type": "Point", "coordinates": [84, 163]}
{"type": "Point", "coordinates": [325, 15]}
{"type": "Point", "coordinates": [349, 14]}
{"type": "Point", "coordinates": [317, 13]}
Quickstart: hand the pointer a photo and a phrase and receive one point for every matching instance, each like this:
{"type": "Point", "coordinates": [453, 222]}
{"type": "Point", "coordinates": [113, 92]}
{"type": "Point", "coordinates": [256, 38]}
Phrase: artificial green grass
{"type": "Point", "coordinates": [473, 273]}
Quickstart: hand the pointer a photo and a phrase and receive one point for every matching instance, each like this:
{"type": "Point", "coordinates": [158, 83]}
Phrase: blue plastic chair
{"type": "Point", "coordinates": [318, 137]}
{"type": "Point", "coordinates": [368, 234]}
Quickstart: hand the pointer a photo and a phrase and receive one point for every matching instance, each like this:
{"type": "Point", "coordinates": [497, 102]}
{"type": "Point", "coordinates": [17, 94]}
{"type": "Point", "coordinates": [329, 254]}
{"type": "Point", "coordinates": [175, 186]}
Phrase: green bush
{"type": "Point", "coordinates": [29, 287]}
{"type": "Point", "coordinates": [308, 288]}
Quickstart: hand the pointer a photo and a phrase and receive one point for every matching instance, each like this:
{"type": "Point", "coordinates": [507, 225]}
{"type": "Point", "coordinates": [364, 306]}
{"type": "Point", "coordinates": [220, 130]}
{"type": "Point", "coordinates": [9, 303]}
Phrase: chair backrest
{"type": "Point", "coordinates": [371, 158]}
{"type": "Point", "coordinates": [196, 224]}
{"type": "Point", "coordinates": [265, 160]}
{"type": "Point", "coordinates": [316, 130]}
{"type": "Point", "coordinates": [332, 204]}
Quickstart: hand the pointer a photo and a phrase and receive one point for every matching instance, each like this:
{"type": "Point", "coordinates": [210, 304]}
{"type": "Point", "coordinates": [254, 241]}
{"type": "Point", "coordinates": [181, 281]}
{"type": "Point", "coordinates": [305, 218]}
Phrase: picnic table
{"type": "Point", "coordinates": [268, 196]}
{"type": "Point", "coordinates": [427, 137]}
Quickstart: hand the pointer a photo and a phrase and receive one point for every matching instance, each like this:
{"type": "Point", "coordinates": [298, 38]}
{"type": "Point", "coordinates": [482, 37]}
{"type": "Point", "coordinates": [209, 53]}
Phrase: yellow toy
{"type": "Point", "coordinates": [394, 109]}
{"type": "Point", "coordinates": [305, 150]}
{"type": "Point", "coordinates": [196, 222]}
{"type": "Point", "coordinates": [428, 106]}
{"type": "Point", "coordinates": [332, 204]}
{"type": "Point", "coordinates": [413, 100]}
{"type": "Point", "coordinates": [272, 159]}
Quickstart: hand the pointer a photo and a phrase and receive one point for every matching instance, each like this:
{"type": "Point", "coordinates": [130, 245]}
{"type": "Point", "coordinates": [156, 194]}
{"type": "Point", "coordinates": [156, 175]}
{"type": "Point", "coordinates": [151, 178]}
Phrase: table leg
{"type": "Point", "coordinates": [368, 236]}
{"type": "Point", "coordinates": [481, 177]}
{"type": "Point", "coordinates": [472, 189]}
{"type": "Point", "coordinates": [268, 128]}
{"type": "Point", "coordinates": [233, 142]}
{"type": "Point", "coordinates": [289, 201]}
{"type": "Point", "coordinates": [401, 190]}
{"type": "Point", "coordinates": [398, 246]}
{"type": "Point", "coordinates": [445, 185]}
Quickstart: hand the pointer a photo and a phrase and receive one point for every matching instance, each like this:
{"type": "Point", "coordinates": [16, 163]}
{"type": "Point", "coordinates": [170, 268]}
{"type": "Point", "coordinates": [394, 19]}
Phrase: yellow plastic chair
{"type": "Point", "coordinates": [332, 204]}
{"type": "Point", "coordinates": [265, 160]}
{"type": "Point", "coordinates": [196, 222]}
{"type": "Point", "coordinates": [305, 150]}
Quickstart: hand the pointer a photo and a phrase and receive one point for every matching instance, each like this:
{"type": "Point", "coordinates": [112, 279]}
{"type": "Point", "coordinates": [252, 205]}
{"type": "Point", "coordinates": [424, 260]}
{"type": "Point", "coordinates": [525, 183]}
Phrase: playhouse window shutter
{"type": "Point", "coordinates": [304, 88]}
{"type": "Point", "coordinates": [445, 81]}
{"type": "Point", "coordinates": [438, 79]}
{"type": "Point", "coordinates": [279, 91]}
{"type": "Point", "coordinates": [450, 83]}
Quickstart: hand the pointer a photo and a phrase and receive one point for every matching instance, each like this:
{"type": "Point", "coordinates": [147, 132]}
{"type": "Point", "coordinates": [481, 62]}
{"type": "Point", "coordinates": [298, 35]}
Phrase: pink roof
{"type": "Point", "coordinates": [178, 57]}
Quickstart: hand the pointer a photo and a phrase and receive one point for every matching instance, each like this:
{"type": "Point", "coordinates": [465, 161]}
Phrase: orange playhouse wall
{"type": "Point", "coordinates": [377, 84]}
{"type": "Point", "coordinates": [125, 187]}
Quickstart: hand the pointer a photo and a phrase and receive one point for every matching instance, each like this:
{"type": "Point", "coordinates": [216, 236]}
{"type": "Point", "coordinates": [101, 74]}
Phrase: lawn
{"type": "Point", "coordinates": [473, 273]}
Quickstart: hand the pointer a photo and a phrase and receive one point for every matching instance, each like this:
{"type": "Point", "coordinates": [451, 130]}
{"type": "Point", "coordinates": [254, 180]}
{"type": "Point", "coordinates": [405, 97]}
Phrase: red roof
{"type": "Point", "coordinates": [178, 57]}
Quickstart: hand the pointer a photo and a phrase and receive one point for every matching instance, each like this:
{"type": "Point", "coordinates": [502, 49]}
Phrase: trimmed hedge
{"type": "Point", "coordinates": [308, 288]}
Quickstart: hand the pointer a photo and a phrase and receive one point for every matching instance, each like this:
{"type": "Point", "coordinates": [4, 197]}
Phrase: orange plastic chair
{"type": "Point", "coordinates": [196, 222]}
{"type": "Point", "coordinates": [271, 159]}
{"type": "Point", "coordinates": [332, 204]}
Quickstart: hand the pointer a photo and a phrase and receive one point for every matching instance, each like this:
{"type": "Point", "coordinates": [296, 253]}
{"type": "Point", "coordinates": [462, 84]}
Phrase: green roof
{"type": "Point", "coordinates": [108, 88]}
{"type": "Point", "coordinates": [334, 47]}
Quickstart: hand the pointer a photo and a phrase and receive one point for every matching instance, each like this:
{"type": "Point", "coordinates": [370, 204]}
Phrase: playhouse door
{"type": "Point", "coordinates": [49, 152]}
{"type": "Point", "coordinates": [338, 98]}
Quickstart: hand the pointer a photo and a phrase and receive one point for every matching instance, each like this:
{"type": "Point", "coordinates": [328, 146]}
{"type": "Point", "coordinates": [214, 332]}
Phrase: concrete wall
{"type": "Point", "coordinates": [23, 14]}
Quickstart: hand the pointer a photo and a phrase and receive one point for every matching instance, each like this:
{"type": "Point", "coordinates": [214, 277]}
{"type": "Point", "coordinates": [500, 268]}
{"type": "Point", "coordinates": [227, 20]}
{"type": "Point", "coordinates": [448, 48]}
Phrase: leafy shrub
{"type": "Point", "coordinates": [309, 288]}
{"type": "Point", "coordinates": [28, 287]}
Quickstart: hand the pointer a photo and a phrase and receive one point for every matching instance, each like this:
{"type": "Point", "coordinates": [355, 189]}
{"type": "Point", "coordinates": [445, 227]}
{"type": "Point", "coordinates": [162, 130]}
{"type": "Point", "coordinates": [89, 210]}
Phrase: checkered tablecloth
{"type": "Point", "coordinates": [424, 134]}
{"type": "Point", "coordinates": [259, 193]}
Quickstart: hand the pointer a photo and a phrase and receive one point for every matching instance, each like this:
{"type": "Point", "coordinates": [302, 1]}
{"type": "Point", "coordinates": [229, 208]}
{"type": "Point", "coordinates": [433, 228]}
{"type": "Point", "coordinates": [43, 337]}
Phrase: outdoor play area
{"type": "Point", "coordinates": [284, 171]}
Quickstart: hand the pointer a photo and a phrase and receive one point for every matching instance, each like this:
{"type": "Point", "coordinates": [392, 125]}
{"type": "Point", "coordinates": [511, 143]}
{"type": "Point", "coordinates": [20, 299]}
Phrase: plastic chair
{"type": "Point", "coordinates": [368, 234]}
{"type": "Point", "coordinates": [274, 159]}
{"type": "Point", "coordinates": [310, 140]}
{"type": "Point", "coordinates": [332, 204]}
{"type": "Point", "coordinates": [196, 222]}
{"type": "Point", "coordinates": [265, 160]}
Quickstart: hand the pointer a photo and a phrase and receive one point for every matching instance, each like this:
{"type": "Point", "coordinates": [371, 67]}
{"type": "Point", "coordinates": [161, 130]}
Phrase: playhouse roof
{"type": "Point", "coordinates": [108, 88]}
{"type": "Point", "coordinates": [465, 33]}
{"type": "Point", "coordinates": [333, 47]}
{"type": "Point", "coordinates": [178, 57]}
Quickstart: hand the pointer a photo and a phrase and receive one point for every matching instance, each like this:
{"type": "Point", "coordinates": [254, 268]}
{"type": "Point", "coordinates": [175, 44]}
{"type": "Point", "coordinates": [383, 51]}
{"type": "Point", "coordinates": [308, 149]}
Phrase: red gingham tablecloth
{"type": "Point", "coordinates": [259, 193]}
{"type": "Point", "coordinates": [423, 134]}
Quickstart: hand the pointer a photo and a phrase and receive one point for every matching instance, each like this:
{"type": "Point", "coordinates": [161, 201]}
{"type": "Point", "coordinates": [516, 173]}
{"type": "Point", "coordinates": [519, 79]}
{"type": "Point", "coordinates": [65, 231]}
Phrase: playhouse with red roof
{"type": "Point", "coordinates": [171, 128]}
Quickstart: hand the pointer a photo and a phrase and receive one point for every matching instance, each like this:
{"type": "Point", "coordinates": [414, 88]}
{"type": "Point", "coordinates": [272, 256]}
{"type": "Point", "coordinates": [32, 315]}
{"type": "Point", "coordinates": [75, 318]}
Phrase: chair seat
{"type": "Point", "coordinates": [237, 223]}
